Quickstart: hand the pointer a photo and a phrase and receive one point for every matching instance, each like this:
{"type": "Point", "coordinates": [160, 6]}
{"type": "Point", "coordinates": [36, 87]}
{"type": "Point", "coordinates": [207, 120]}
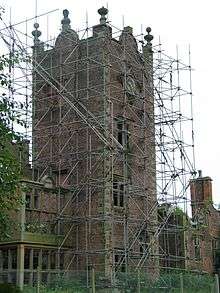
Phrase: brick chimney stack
{"type": "Point", "coordinates": [200, 192]}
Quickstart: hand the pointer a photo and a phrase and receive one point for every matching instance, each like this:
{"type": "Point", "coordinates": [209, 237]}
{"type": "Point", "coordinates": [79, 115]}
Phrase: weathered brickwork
{"type": "Point", "coordinates": [94, 146]}
{"type": "Point", "coordinates": [203, 238]}
{"type": "Point", "coordinates": [192, 243]}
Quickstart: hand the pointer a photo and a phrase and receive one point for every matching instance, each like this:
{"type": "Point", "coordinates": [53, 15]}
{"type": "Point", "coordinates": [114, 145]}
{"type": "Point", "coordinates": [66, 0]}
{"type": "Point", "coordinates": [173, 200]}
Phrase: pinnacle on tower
{"type": "Point", "coordinates": [103, 12]}
{"type": "Point", "coordinates": [36, 34]}
{"type": "Point", "coordinates": [65, 21]}
{"type": "Point", "coordinates": [148, 37]}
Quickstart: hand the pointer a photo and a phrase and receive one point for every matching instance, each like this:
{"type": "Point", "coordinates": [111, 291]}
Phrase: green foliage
{"type": "Point", "coordinates": [178, 211]}
{"type": "Point", "coordinates": [128, 283]}
{"type": "Point", "coordinates": [8, 288]}
{"type": "Point", "coordinates": [190, 281]}
{"type": "Point", "coordinates": [10, 144]}
{"type": "Point", "coordinates": [37, 228]}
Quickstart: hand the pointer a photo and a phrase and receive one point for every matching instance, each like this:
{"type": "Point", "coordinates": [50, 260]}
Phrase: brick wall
{"type": "Point", "coordinates": [95, 73]}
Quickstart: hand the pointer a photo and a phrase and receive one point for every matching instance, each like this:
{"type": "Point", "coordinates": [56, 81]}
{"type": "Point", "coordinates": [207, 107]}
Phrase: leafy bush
{"type": "Point", "coordinates": [167, 282]}
{"type": "Point", "coordinates": [8, 288]}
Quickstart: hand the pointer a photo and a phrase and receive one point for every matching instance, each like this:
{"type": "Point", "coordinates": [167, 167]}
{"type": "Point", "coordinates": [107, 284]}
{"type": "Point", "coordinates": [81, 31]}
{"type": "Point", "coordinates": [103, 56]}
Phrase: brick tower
{"type": "Point", "coordinates": [93, 136]}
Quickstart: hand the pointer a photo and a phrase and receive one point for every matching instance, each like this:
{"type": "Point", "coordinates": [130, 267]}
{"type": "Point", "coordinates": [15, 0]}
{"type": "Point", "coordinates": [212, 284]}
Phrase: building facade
{"type": "Point", "coordinates": [191, 243]}
{"type": "Point", "coordinates": [91, 201]}
{"type": "Point", "coordinates": [89, 196]}
{"type": "Point", "coordinates": [203, 239]}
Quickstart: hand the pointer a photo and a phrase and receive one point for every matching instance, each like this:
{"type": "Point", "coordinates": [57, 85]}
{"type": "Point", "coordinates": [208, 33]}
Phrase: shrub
{"type": "Point", "coordinates": [8, 288]}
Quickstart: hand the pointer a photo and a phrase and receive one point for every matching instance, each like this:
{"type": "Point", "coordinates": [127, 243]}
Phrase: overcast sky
{"type": "Point", "coordinates": [182, 22]}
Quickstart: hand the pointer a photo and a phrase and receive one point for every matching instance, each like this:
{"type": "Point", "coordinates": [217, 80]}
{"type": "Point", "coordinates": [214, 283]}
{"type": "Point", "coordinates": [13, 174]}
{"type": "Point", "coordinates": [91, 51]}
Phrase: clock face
{"type": "Point", "coordinates": [131, 86]}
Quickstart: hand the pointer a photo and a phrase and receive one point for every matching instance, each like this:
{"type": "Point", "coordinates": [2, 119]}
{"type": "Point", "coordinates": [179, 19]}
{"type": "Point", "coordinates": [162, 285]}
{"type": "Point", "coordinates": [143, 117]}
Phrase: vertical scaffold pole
{"type": "Point", "coordinates": [139, 282]}
{"type": "Point", "coordinates": [181, 283]}
{"type": "Point", "coordinates": [93, 280]}
{"type": "Point", "coordinates": [38, 279]}
{"type": "Point", "coordinates": [217, 283]}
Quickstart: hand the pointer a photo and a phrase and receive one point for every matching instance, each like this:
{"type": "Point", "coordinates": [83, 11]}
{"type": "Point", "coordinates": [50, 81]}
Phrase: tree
{"type": "Point", "coordinates": [10, 141]}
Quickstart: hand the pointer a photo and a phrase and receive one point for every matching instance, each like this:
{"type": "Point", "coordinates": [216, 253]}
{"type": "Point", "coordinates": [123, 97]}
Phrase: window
{"type": "Point", "coordinates": [53, 260]}
{"type": "Point", "coordinates": [214, 249]}
{"type": "Point", "coordinates": [61, 229]}
{"type": "Point", "coordinates": [119, 259]}
{"type": "Point", "coordinates": [36, 199]}
{"type": "Point", "coordinates": [45, 255]}
{"type": "Point", "coordinates": [118, 193]}
{"type": "Point", "coordinates": [61, 260]}
{"type": "Point", "coordinates": [13, 258]}
{"type": "Point", "coordinates": [123, 133]}
{"type": "Point", "coordinates": [36, 202]}
{"type": "Point", "coordinates": [120, 132]}
{"type": "Point", "coordinates": [36, 259]}
{"type": "Point", "coordinates": [197, 248]}
{"type": "Point", "coordinates": [5, 258]}
{"type": "Point", "coordinates": [144, 241]}
{"type": "Point", "coordinates": [28, 201]}
{"type": "Point", "coordinates": [127, 133]}
{"type": "Point", "coordinates": [27, 258]}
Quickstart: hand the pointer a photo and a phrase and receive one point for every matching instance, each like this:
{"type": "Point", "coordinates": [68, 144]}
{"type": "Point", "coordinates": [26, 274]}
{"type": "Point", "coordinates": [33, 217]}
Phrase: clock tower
{"type": "Point", "coordinates": [94, 136]}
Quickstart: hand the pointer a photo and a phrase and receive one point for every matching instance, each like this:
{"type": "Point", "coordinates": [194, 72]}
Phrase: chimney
{"type": "Point", "coordinates": [200, 191]}
{"type": "Point", "coordinates": [200, 173]}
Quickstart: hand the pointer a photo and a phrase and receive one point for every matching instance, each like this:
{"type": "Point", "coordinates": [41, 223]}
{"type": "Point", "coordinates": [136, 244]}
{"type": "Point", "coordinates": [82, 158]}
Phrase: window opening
{"type": "Point", "coordinates": [62, 261]}
{"type": "Point", "coordinates": [119, 259]}
{"type": "Point", "coordinates": [28, 201]}
{"type": "Point", "coordinates": [120, 133]}
{"type": "Point", "coordinates": [36, 259]}
{"type": "Point", "coordinates": [123, 133]}
{"type": "Point", "coordinates": [36, 199]}
{"type": "Point", "coordinates": [5, 258]}
{"type": "Point", "coordinates": [14, 259]}
{"type": "Point", "coordinates": [53, 260]}
{"type": "Point", "coordinates": [144, 241]}
{"type": "Point", "coordinates": [27, 259]}
{"type": "Point", "coordinates": [197, 248]}
{"type": "Point", "coordinates": [118, 193]}
{"type": "Point", "coordinates": [44, 260]}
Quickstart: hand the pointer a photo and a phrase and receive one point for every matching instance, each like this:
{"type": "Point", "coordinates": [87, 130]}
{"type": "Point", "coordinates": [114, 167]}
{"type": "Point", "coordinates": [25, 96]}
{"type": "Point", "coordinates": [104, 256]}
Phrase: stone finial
{"type": "Point", "coordinates": [65, 21]}
{"type": "Point", "coordinates": [148, 37]}
{"type": "Point", "coordinates": [36, 34]}
{"type": "Point", "coordinates": [200, 173]}
{"type": "Point", "coordinates": [103, 12]}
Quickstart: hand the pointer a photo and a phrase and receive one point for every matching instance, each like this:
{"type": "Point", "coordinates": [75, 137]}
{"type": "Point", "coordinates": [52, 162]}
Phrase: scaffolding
{"type": "Point", "coordinates": [116, 147]}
